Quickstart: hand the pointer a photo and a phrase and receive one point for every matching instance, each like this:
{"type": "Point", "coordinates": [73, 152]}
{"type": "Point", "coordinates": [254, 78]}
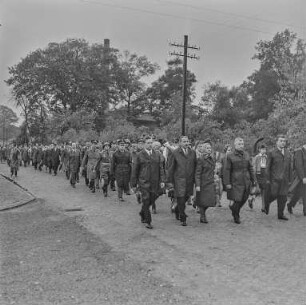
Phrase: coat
{"type": "Point", "coordinates": [121, 167]}
{"type": "Point", "coordinates": [180, 172]}
{"type": "Point", "coordinates": [25, 156]}
{"type": "Point", "coordinates": [15, 156]}
{"type": "Point", "coordinates": [74, 160]}
{"type": "Point", "coordinates": [278, 173]}
{"type": "Point", "coordinates": [90, 161]}
{"type": "Point", "coordinates": [239, 173]}
{"type": "Point", "coordinates": [204, 178]}
{"type": "Point", "coordinates": [55, 157]}
{"type": "Point", "coordinates": [148, 172]}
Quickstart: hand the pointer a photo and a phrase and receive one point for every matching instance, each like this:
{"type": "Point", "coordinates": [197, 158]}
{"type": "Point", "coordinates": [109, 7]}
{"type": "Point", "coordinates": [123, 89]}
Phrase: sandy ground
{"type": "Point", "coordinates": [261, 261]}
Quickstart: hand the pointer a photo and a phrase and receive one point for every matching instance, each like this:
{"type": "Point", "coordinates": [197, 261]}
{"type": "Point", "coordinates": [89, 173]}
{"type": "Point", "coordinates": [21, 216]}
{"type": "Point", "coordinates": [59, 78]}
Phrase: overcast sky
{"type": "Point", "coordinates": [225, 30]}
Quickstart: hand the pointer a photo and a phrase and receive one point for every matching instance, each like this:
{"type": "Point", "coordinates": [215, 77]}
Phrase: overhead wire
{"type": "Point", "coordinates": [197, 7]}
{"type": "Point", "coordinates": [124, 7]}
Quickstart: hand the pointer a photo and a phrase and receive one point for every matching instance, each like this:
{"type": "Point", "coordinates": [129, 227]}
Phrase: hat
{"type": "Point", "coordinates": [140, 140]}
{"type": "Point", "coordinates": [120, 141]}
{"type": "Point", "coordinates": [106, 144]}
{"type": "Point", "coordinates": [94, 142]}
{"type": "Point", "coordinates": [207, 141]}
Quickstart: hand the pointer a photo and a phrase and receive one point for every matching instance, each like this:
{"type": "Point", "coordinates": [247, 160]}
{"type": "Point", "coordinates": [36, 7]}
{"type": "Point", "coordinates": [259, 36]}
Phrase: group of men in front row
{"type": "Point", "coordinates": [149, 167]}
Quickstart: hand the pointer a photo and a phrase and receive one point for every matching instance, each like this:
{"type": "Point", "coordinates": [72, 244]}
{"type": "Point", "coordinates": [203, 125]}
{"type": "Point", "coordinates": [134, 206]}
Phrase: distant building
{"type": "Point", "coordinates": [144, 120]}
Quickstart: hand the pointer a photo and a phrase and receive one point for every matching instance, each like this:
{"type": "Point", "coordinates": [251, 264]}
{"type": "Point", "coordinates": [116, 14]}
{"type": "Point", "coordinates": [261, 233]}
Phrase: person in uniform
{"type": "Point", "coordinates": [90, 160]}
{"type": "Point", "coordinates": [15, 157]}
{"type": "Point", "coordinates": [181, 174]}
{"type": "Point", "coordinates": [121, 168]}
{"type": "Point", "coordinates": [55, 158]}
{"type": "Point", "coordinates": [148, 176]}
{"type": "Point", "coordinates": [239, 177]}
{"type": "Point", "coordinates": [104, 167]}
{"type": "Point", "coordinates": [74, 163]}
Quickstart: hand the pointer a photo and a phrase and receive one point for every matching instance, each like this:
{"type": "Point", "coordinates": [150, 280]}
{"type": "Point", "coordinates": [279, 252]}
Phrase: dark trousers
{"type": "Point", "coordinates": [120, 192]}
{"type": "Point", "coordinates": [73, 177]}
{"type": "Point", "coordinates": [112, 183]}
{"type": "Point", "coordinates": [181, 206]}
{"type": "Point", "coordinates": [237, 205]}
{"type": "Point", "coordinates": [299, 192]}
{"type": "Point", "coordinates": [148, 199]}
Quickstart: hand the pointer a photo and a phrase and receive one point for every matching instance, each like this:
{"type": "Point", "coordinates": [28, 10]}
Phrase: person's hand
{"type": "Point", "coordinates": [229, 186]}
{"type": "Point", "coordinates": [162, 185]}
{"type": "Point", "coordinates": [198, 189]}
{"type": "Point", "coordinates": [304, 180]}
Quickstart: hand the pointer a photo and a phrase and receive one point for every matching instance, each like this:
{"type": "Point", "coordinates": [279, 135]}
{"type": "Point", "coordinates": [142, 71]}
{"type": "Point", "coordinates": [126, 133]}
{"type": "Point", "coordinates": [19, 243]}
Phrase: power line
{"type": "Point", "coordinates": [175, 16]}
{"type": "Point", "coordinates": [186, 46]}
{"type": "Point", "coordinates": [196, 7]}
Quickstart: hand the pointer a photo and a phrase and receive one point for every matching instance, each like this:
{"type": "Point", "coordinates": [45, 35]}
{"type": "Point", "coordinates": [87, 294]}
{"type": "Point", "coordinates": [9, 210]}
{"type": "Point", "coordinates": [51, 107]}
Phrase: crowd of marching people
{"type": "Point", "coordinates": [188, 173]}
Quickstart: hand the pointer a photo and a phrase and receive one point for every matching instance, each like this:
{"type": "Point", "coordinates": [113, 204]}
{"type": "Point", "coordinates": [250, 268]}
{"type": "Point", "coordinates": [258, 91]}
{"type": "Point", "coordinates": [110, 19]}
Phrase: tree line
{"type": "Point", "coordinates": [79, 91]}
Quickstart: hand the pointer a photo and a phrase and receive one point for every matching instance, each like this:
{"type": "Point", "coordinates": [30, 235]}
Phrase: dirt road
{"type": "Point", "coordinates": [261, 261]}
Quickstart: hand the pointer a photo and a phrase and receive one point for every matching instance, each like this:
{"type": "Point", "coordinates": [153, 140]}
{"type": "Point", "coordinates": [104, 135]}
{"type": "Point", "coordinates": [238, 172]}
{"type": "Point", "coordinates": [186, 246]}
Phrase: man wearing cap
{"type": "Point", "coordinates": [104, 165]}
{"type": "Point", "coordinates": [148, 176]}
{"type": "Point", "coordinates": [121, 169]}
{"type": "Point", "coordinates": [180, 175]}
{"type": "Point", "coordinates": [90, 160]}
{"type": "Point", "coordinates": [74, 162]}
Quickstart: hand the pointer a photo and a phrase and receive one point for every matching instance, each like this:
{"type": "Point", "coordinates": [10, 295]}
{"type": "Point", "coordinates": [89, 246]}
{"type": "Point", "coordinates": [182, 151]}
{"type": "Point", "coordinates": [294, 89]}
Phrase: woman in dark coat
{"type": "Point", "coordinates": [204, 181]}
{"type": "Point", "coordinates": [121, 169]}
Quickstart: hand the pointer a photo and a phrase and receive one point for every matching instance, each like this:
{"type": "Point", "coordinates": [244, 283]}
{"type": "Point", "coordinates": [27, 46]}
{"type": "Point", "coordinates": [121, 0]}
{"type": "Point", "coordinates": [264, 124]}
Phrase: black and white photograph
{"type": "Point", "coordinates": [152, 152]}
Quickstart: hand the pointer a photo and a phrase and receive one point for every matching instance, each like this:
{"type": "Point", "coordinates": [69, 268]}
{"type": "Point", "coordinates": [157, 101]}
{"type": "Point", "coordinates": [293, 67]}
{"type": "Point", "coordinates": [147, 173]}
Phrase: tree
{"type": "Point", "coordinates": [161, 93]}
{"type": "Point", "coordinates": [129, 79]}
{"type": "Point", "coordinates": [8, 119]}
{"type": "Point", "coordinates": [281, 59]}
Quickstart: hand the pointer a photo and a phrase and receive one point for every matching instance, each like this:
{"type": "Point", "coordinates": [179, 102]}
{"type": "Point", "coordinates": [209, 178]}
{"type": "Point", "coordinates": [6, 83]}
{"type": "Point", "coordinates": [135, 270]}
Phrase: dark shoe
{"type": "Point", "coordinates": [203, 219]}
{"type": "Point", "coordinates": [263, 210]}
{"type": "Point", "coordinates": [128, 193]}
{"type": "Point", "coordinates": [177, 215]}
{"type": "Point", "coordinates": [267, 207]}
{"type": "Point", "coordinates": [237, 220]}
{"type": "Point", "coordinates": [141, 217]}
{"type": "Point", "coordinates": [289, 208]}
{"type": "Point", "coordinates": [250, 201]}
{"type": "Point", "coordinates": [149, 226]}
{"type": "Point", "coordinates": [121, 199]}
{"type": "Point", "coordinates": [184, 224]}
{"type": "Point", "coordinates": [73, 185]}
{"type": "Point", "coordinates": [283, 218]}
{"type": "Point", "coordinates": [93, 190]}
{"type": "Point", "coordinates": [105, 194]}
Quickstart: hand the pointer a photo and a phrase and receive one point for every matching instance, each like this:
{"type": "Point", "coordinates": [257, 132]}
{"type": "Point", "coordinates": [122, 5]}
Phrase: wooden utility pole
{"type": "Point", "coordinates": [186, 56]}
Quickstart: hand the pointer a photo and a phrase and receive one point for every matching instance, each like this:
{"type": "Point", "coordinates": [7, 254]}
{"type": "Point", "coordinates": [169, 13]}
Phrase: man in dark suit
{"type": "Point", "coordinates": [278, 172]}
{"type": "Point", "coordinates": [300, 189]}
{"type": "Point", "coordinates": [148, 176]}
{"type": "Point", "coordinates": [181, 175]}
